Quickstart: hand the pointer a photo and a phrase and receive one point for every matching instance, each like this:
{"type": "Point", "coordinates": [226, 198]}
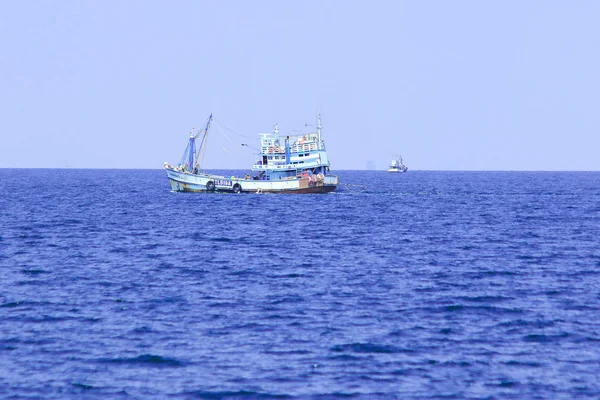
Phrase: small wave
{"type": "Point", "coordinates": [529, 234]}
{"type": "Point", "coordinates": [82, 386]}
{"type": "Point", "coordinates": [242, 394]}
{"type": "Point", "coordinates": [523, 363]}
{"type": "Point", "coordinates": [48, 318]}
{"type": "Point", "coordinates": [30, 236]}
{"type": "Point", "coordinates": [11, 304]}
{"type": "Point", "coordinates": [68, 222]}
{"type": "Point", "coordinates": [493, 273]}
{"type": "Point", "coordinates": [288, 276]}
{"type": "Point", "coordinates": [409, 371]}
{"type": "Point", "coordinates": [221, 239]}
{"type": "Point", "coordinates": [533, 323]}
{"type": "Point", "coordinates": [142, 329]}
{"type": "Point", "coordinates": [146, 359]}
{"type": "Point", "coordinates": [119, 250]}
{"type": "Point", "coordinates": [540, 338]}
{"type": "Point", "coordinates": [367, 348]}
{"type": "Point", "coordinates": [33, 271]}
{"type": "Point", "coordinates": [456, 364]}
{"type": "Point", "coordinates": [587, 272]}
{"type": "Point", "coordinates": [223, 304]}
{"type": "Point", "coordinates": [581, 307]}
{"type": "Point", "coordinates": [172, 299]}
{"type": "Point", "coordinates": [508, 383]}
{"type": "Point", "coordinates": [291, 299]}
{"type": "Point", "coordinates": [278, 316]}
{"type": "Point", "coordinates": [32, 283]}
{"type": "Point", "coordinates": [487, 309]}
{"type": "Point", "coordinates": [344, 357]}
{"type": "Point", "coordinates": [358, 395]}
{"type": "Point", "coordinates": [243, 272]}
{"type": "Point", "coordinates": [246, 326]}
{"type": "Point", "coordinates": [288, 352]}
{"type": "Point", "coordinates": [486, 299]}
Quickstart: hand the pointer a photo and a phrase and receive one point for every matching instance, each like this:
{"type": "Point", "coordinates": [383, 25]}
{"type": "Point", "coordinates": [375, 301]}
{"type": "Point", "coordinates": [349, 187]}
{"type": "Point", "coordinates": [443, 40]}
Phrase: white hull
{"type": "Point", "coordinates": [187, 182]}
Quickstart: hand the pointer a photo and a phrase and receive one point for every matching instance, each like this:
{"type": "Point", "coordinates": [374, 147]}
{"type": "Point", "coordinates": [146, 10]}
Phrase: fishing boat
{"type": "Point", "coordinates": [286, 164]}
{"type": "Point", "coordinates": [396, 165]}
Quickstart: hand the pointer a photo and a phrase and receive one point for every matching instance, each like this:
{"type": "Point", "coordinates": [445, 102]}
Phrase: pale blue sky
{"type": "Point", "coordinates": [450, 85]}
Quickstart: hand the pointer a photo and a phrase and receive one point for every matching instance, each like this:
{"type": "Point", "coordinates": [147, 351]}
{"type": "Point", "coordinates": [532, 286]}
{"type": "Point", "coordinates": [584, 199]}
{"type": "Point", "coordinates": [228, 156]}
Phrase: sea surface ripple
{"type": "Point", "coordinates": [454, 285]}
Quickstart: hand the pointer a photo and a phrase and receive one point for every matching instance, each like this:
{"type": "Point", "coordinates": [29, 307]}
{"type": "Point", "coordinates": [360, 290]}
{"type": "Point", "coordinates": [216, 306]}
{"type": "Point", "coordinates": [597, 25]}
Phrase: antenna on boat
{"type": "Point", "coordinates": [319, 127]}
{"type": "Point", "coordinates": [276, 128]}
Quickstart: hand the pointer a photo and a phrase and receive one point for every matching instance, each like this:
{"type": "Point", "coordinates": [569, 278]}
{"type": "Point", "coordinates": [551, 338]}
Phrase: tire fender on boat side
{"type": "Point", "coordinates": [237, 188]}
{"type": "Point", "coordinates": [210, 186]}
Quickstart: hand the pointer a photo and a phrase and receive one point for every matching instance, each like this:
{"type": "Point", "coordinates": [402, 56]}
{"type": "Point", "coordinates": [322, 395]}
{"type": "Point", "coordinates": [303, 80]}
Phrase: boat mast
{"type": "Point", "coordinates": [188, 158]}
{"type": "Point", "coordinates": [192, 151]}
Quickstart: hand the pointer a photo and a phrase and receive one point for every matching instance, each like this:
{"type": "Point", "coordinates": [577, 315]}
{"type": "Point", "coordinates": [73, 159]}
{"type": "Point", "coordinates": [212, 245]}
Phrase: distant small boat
{"type": "Point", "coordinates": [288, 164]}
{"type": "Point", "coordinates": [396, 165]}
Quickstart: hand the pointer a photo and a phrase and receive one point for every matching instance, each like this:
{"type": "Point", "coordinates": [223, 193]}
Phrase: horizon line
{"type": "Point", "coordinates": [246, 169]}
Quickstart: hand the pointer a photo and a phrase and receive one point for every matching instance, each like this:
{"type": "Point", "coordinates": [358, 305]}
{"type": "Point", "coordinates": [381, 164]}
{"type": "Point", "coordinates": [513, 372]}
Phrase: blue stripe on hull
{"type": "Point", "coordinates": [180, 186]}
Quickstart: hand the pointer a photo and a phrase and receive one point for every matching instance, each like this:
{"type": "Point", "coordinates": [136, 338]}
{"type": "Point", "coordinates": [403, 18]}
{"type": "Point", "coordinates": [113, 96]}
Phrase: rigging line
{"type": "Point", "coordinates": [228, 138]}
{"type": "Point", "coordinates": [235, 133]}
{"type": "Point", "coordinates": [224, 134]}
{"type": "Point", "coordinates": [206, 126]}
{"type": "Point", "coordinates": [200, 156]}
{"type": "Point", "coordinates": [200, 150]}
{"type": "Point", "coordinates": [252, 147]}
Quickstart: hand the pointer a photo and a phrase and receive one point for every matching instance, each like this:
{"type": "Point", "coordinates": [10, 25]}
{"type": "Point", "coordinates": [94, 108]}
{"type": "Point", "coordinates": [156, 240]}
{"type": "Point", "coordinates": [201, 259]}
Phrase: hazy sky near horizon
{"type": "Point", "coordinates": [449, 85]}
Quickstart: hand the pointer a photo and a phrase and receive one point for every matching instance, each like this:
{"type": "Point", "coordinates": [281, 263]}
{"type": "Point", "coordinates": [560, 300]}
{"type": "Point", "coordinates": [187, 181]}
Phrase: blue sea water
{"type": "Point", "coordinates": [454, 285]}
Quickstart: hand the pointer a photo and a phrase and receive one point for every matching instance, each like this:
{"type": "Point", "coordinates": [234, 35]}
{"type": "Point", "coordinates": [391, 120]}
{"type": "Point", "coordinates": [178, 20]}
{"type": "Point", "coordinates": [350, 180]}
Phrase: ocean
{"type": "Point", "coordinates": [424, 285]}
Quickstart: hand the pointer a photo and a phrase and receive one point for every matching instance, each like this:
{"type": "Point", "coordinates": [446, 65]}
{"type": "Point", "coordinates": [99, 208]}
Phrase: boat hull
{"type": "Point", "coordinates": [187, 182]}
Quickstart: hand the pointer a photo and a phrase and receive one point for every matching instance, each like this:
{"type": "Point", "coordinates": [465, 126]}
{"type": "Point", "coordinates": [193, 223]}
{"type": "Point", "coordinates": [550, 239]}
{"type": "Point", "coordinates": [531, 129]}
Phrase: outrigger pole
{"type": "Point", "coordinates": [200, 151]}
